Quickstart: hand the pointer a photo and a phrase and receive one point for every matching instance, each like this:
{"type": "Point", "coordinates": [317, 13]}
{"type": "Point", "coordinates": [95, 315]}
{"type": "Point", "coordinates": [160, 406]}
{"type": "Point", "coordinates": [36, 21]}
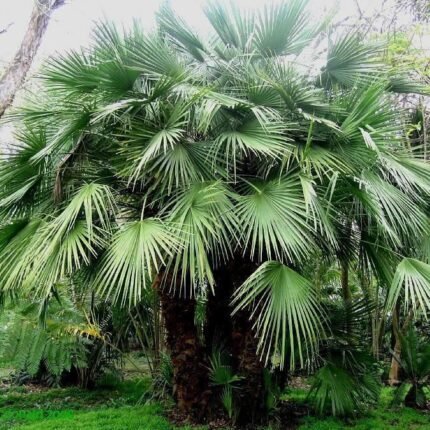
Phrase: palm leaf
{"type": "Point", "coordinates": [411, 282]}
{"type": "Point", "coordinates": [207, 227]}
{"type": "Point", "coordinates": [286, 313]}
{"type": "Point", "coordinates": [137, 252]}
{"type": "Point", "coordinates": [283, 28]}
{"type": "Point", "coordinates": [234, 28]}
{"type": "Point", "coordinates": [182, 35]}
{"type": "Point", "coordinates": [274, 219]}
{"type": "Point", "coordinates": [351, 62]}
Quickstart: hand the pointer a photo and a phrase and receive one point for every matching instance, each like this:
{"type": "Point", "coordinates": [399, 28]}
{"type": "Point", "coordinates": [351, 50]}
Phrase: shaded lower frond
{"type": "Point", "coordinates": [345, 387]}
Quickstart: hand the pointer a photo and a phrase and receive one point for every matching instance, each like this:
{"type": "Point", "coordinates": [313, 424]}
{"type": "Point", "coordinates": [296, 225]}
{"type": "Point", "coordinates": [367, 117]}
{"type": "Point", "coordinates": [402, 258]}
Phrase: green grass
{"type": "Point", "coordinates": [117, 408]}
{"type": "Point", "coordinates": [125, 393]}
{"type": "Point", "coordinates": [384, 417]}
{"type": "Point", "coordinates": [72, 408]}
{"type": "Point", "coordinates": [106, 418]}
{"type": "Point", "coordinates": [405, 419]}
{"type": "Point", "coordinates": [147, 417]}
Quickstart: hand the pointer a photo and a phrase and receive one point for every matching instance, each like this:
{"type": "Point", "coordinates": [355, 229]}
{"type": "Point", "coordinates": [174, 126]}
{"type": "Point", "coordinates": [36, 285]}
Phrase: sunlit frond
{"type": "Point", "coordinates": [274, 219]}
{"type": "Point", "coordinates": [138, 252]}
{"type": "Point", "coordinates": [288, 319]}
{"type": "Point", "coordinates": [204, 218]}
{"type": "Point", "coordinates": [411, 282]}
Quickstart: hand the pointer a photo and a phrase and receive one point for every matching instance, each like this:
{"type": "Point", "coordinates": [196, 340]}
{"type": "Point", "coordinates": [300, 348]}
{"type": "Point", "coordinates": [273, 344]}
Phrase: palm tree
{"type": "Point", "coordinates": [215, 168]}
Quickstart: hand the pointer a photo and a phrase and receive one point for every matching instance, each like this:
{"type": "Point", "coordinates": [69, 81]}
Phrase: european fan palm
{"type": "Point", "coordinates": [214, 167]}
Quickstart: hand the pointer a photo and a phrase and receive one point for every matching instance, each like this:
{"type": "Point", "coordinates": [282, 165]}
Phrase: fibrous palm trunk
{"type": "Point", "coordinates": [234, 335]}
{"type": "Point", "coordinates": [393, 376]}
{"type": "Point", "coordinates": [190, 368]}
{"type": "Point", "coordinates": [251, 396]}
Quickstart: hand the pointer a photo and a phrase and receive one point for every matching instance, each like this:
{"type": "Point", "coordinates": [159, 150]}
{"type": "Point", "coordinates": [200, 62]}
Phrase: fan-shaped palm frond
{"type": "Point", "coordinates": [351, 62]}
{"type": "Point", "coordinates": [206, 224]}
{"type": "Point", "coordinates": [345, 388]}
{"type": "Point", "coordinates": [284, 28]}
{"type": "Point", "coordinates": [254, 139]}
{"type": "Point", "coordinates": [412, 282]}
{"type": "Point", "coordinates": [288, 319]}
{"type": "Point", "coordinates": [397, 214]}
{"type": "Point", "coordinates": [21, 176]}
{"type": "Point", "coordinates": [274, 220]}
{"type": "Point", "coordinates": [137, 252]}
{"type": "Point", "coordinates": [407, 83]}
{"type": "Point", "coordinates": [415, 362]}
{"type": "Point", "coordinates": [182, 35]}
{"type": "Point", "coordinates": [234, 28]}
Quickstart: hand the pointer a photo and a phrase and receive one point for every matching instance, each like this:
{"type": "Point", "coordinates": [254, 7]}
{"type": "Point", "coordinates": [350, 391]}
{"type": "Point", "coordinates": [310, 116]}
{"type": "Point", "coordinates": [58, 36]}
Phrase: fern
{"type": "Point", "coordinates": [58, 344]}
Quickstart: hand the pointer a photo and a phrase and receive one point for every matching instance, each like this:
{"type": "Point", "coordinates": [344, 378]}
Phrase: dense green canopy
{"type": "Point", "coordinates": [167, 154]}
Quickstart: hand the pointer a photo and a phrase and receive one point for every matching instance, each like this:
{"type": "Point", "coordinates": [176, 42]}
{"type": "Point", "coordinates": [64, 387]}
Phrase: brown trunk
{"type": "Point", "coordinates": [190, 370]}
{"type": "Point", "coordinates": [15, 73]}
{"type": "Point", "coordinates": [344, 281]}
{"type": "Point", "coordinates": [236, 337]}
{"type": "Point", "coordinates": [218, 326]}
{"type": "Point", "coordinates": [393, 377]}
{"type": "Point", "coordinates": [251, 396]}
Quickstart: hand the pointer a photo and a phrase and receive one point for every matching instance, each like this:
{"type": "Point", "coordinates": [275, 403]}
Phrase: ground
{"type": "Point", "coordinates": [124, 408]}
{"type": "Point", "coordinates": [129, 405]}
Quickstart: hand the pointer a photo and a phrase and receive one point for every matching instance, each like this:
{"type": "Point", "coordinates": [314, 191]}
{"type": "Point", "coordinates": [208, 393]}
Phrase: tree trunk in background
{"type": "Point", "coordinates": [344, 281]}
{"type": "Point", "coordinates": [190, 368]}
{"type": "Point", "coordinates": [398, 331]}
{"type": "Point", "coordinates": [393, 376]}
{"type": "Point", "coordinates": [14, 75]}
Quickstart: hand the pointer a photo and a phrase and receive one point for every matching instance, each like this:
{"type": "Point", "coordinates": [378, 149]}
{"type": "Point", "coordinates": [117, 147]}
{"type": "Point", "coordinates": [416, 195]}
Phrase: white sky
{"type": "Point", "coordinates": [71, 24]}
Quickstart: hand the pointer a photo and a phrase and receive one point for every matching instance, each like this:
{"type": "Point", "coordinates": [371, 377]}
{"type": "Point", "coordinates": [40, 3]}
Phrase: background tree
{"type": "Point", "coordinates": [15, 73]}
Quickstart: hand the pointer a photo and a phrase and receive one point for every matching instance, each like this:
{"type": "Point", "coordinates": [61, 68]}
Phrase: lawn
{"type": "Point", "coordinates": [70, 408]}
{"type": "Point", "coordinates": [123, 408]}
{"type": "Point", "coordinates": [384, 417]}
